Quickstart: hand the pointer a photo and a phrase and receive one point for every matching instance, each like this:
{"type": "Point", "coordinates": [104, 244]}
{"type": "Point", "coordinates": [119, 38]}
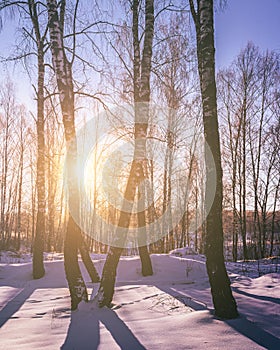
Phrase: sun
{"type": "Point", "coordinates": [105, 174]}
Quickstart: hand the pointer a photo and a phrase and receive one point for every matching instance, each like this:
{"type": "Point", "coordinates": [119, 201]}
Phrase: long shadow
{"type": "Point", "coordinates": [241, 324]}
{"type": "Point", "coordinates": [259, 297]}
{"type": "Point", "coordinates": [14, 305]}
{"type": "Point", "coordinates": [195, 304]}
{"type": "Point", "coordinates": [84, 330]}
{"type": "Point", "coordinates": [25, 286]}
{"type": "Point", "coordinates": [16, 298]}
{"type": "Point", "coordinates": [250, 330]}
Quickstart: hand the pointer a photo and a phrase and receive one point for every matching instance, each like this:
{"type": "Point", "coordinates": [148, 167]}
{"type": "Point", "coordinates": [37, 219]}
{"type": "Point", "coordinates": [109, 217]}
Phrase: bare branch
{"type": "Point", "coordinates": [74, 31]}
{"type": "Point", "coordinates": [193, 12]}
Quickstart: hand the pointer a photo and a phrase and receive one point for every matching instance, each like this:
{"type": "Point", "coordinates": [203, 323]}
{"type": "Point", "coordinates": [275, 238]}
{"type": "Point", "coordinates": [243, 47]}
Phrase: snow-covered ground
{"type": "Point", "coordinates": [170, 310]}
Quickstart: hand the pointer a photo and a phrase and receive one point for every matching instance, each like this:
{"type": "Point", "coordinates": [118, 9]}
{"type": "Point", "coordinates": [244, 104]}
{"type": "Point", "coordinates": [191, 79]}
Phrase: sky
{"type": "Point", "coordinates": [246, 20]}
{"type": "Point", "coordinates": [239, 22]}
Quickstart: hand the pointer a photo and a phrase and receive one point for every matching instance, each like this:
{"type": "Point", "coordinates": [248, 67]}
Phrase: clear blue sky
{"type": "Point", "coordinates": [241, 21]}
{"type": "Point", "coordinates": [246, 20]}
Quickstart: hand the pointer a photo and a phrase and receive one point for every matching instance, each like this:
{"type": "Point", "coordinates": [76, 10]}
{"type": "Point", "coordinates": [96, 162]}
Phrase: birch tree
{"type": "Point", "coordinates": [224, 303]}
{"type": "Point", "coordinates": [40, 40]}
{"type": "Point", "coordinates": [141, 84]}
{"type": "Point", "coordinates": [63, 72]}
{"type": "Point", "coordinates": [37, 35]}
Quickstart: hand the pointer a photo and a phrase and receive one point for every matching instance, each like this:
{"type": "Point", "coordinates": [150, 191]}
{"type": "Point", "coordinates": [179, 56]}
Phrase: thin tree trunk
{"type": "Point", "coordinates": [38, 247]}
{"type": "Point", "coordinates": [20, 187]}
{"type": "Point", "coordinates": [4, 172]}
{"type": "Point", "coordinates": [33, 200]}
{"type": "Point", "coordinates": [196, 218]}
{"type": "Point", "coordinates": [244, 180]}
{"type": "Point", "coordinates": [273, 217]}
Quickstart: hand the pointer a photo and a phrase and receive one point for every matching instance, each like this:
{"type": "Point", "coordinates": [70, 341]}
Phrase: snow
{"type": "Point", "coordinates": [183, 251]}
{"type": "Point", "coordinates": [170, 310]}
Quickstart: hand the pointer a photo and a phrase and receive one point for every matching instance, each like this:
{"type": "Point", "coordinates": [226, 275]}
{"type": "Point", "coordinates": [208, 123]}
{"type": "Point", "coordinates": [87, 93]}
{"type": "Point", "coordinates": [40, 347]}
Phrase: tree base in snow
{"type": "Point", "coordinates": [38, 273]}
{"type": "Point", "coordinates": [228, 314]}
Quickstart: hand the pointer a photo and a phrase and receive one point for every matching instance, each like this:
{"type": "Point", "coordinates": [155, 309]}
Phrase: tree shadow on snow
{"type": "Point", "coordinates": [241, 324]}
{"type": "Point", "coordinates": [14, 304]}
{"type": "Point", "coordinates": [20, 280]}
{"type": "Point", "coordinates": [252, 331]}
{"type": "Point", "coordinates": [259, 297]}
{"type": "Point", "coordinates": [84, 330]}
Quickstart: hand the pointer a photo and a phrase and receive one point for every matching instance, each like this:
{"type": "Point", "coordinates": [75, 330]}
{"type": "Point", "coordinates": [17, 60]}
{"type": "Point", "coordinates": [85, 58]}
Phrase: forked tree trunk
{"type": "Point", "coordinates": [106, 289]}
{"type": "Point", "coordinates": [224, 303]}
{"type": "Point", "coordinates": [63, 72]}
{"type": "Point", "coordinates": [142, 72]}
{"type": "Point", "coordinates": [84, 251]}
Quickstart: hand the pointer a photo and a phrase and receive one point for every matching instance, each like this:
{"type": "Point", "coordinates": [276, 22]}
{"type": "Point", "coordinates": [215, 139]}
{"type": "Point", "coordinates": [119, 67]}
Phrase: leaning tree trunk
{"type": "Point", "coordinates": [84, 251]}
{"type": "Point", "coordinates": [224, 303]}
{"type": "Point", "coordinates": [106, 290]}
{"type": "Point", "coordinates": [142, 71]}
{"type": "Point", "coordinates": [73, 240]}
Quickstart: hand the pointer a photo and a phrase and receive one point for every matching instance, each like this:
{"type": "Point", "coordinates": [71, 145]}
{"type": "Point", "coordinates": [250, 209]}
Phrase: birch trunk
{"type": "Point", "coordinates": [73, 239]}
{"type": "Point", "coordinates": [141, 82]}
{"type": "Point", "coordinates": [38, 248]}
{"type": "Point", "coordinates": [224, 303]}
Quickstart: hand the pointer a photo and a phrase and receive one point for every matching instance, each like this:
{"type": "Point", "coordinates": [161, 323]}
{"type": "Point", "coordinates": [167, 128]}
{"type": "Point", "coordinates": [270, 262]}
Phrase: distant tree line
{"type": "Point", "coordinates": [248, 110]}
